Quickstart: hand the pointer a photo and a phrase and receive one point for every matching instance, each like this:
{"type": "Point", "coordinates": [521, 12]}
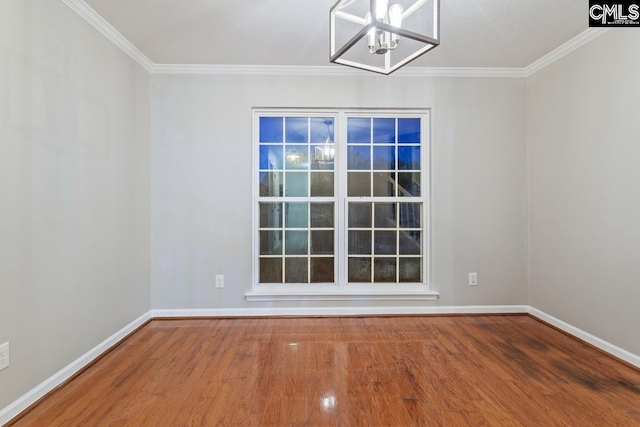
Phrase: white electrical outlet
{"type": "Point", "coordinates": [4, 356]}
{"type": "Point", "coordinates": [473, 279]}
{"type": "Point", "coordinates": [219, 281]}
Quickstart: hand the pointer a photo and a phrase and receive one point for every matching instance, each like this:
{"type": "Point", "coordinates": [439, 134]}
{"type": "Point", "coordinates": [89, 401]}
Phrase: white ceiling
{"type": "Point", "coordinates": [474, 33]}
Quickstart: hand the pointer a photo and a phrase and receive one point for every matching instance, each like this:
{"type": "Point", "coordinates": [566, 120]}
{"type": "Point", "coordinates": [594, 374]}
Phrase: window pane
{"type": "Point", "coordinates": [270, 215]}
{"type": "Point", "coordinates": [322, 129]}
{"type": "Point", "coordinates": [409, 158]}
{"type": "Point", "coordinates": [410, 215]}
{"type": "Point", "coordinates": [297, 237]}
{"type": "Point", "coordinates": [409, 184]}
{"type": "Point", "coordinates": [322, 156]}
{"type": "Point", "coordinates": [322, 184]}
{"type": "Point", "coordinates": [270, 270]}
{"type": "Point", "coordinates": [296, 242]}
{"type": "Point", "coordinates": [295, 270]}
{"type": "Point", "coordinates": [384, 131]}
{"type": "Point", "coordinates": [297, 215]}
{"type": "Point", "coordinates": [410, 242]}
{"type": "Point", "coordinates": [384, 270]}
{"type": "Point", "coordinates": [297, 129]}
{"type": "Point", "coordinates": [358, 130]}
{"type": "Point", "coordinates": [384, 184]}
{"type": "Point", "coordinates": [321, 215]}
{"type": "Point", "coordinates": [385, 215]}
{"type": "Point", "coordinates": [297, 184]}
{"type": "Point", "coordinates": [270, 184]}
{"type": "Point", "coordinates": [322, 270]}
{"type": "Point", "coordinates": [270, 157]}
{"type": "Point", "coordinates": [359, 270]}
{"type": "Point", "coordinates": [408, 131]}
{"type": "Point", "coordinates": [384, 242]}
{"type": "Point", "coordinates": [271, 242]}
{"type": "Point", "coordinates": [270, 129]}
{"type": "Point", "coordinates": [410, 270]}
{"type": "Point", "coordinates": [358, 158]}
{"type": "Point", "coordinates": [296, 157]}
{"type": "Point", "coordinates": [360, 215]}
{"type": "Point", "coordinates": [384, 158]}
{"type": "Point", "coordinates": [359, 242]}
{"type": "Point", "coordinates": [359, 184]}
{"type": "Point", "coordinates": [322, 242]}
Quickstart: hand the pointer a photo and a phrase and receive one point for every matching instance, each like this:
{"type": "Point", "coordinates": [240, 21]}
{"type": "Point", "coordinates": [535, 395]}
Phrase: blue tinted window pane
{"type": "Point", "coordinates": [408, 131]}
{"type": "Point", "coordinates": [270, 157]}
{"type": "Point", "coordinates": [384, 131]}
{"type": "Point", "coordinates": [297, 215]}
{"type": "Point", "coordinates": [322, 156]}
{"type": "Point", "coordinates": [270, 129]}
{"type": "Point", "coordinates": [296, 157]}
{"type": "Point", "coordinates": [322, 129]}
{"type": "Point", "coordinates": [358, 130]}
{"type": "Point", "coordinates": [409, 158]}
{"type": "Point", "coordinates": [358, 158]}
{"type": "Point", "coordinates": [297, 129]}
{"type": "Point", "coordinates": [384, 158]}
{"type": "Point", "coordinates": [297, 184]}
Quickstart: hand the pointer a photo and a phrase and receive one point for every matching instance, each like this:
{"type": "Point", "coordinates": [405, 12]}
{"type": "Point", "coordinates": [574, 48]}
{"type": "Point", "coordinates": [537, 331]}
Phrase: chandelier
{"type": "Point", "coordinates": [325, 153]}
{"type": "Point", "coordinates": [373, 36]}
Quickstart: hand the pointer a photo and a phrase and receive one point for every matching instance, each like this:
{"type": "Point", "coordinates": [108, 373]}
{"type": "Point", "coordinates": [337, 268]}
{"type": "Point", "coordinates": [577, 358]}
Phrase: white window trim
{"type": "Point", "coordinates": [342, 291]}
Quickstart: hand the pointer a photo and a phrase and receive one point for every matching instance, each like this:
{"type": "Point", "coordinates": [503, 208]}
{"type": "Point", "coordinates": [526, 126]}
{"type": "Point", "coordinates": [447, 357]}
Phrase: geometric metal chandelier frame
{"type": "Point", "coordinates": [381, 36]}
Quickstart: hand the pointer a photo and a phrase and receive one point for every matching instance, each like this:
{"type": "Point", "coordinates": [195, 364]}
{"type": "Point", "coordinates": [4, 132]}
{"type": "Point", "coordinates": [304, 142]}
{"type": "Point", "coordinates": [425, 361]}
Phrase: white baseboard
{"type": "Point", "coordinates": [14, 409]}
{"type": "Point", "coordinates": [45, 387]}
{"type": "Point", "coordinates": [603, 345]}
{"type": "Point", "coordinates": [339, 311]}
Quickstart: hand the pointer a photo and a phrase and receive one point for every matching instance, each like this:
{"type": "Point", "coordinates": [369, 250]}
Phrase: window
{"type": "Point", "coordinates": [340, 204]}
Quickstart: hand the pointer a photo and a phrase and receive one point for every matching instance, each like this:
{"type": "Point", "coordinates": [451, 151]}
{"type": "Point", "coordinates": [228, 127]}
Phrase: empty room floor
{"type": "Point", "coordinates": [375, 371]}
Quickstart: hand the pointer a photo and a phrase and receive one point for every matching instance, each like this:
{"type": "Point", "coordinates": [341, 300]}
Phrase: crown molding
{"type": "Point", "coordinates": [331, 71]}
{"type": "Point", "coordinates": [99, 23]}
{"type": "Point", "coordinates": [562, 51]}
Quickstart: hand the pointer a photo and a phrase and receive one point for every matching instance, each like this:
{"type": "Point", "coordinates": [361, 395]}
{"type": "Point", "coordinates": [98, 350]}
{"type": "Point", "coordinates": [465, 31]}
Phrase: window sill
{"type": "Point", "coordinates": [340, 295]}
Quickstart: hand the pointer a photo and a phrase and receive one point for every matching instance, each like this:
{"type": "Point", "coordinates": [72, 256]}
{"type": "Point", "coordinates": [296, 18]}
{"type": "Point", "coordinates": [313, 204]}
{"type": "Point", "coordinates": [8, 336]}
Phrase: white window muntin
{"type": "Point", "coordinates": [341, 200]}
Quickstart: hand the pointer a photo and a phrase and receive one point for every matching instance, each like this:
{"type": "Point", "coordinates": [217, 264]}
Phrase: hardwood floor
{"type": "Point", "coordinates": [397, 371]}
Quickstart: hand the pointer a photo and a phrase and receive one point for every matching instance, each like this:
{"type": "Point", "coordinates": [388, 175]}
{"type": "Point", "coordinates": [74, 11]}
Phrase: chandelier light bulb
{"type": "Point", "coordinates": [371, 35]}
{"type": "Point", "coordinates": [395, 15]}
{"type": "Point", "coordinates": [395, 20]}
{"type": "Point", "coordinates": [381, 9]}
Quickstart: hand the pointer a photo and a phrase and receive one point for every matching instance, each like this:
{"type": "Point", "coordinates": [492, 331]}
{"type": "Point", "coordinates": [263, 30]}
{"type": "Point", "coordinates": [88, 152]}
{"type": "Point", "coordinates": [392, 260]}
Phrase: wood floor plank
{"type": "Point", "coordinates": [405, 371]}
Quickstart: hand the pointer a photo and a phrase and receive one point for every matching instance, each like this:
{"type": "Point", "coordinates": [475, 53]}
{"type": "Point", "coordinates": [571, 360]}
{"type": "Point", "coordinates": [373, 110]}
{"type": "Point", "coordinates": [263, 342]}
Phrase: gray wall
{"type": "Point", "coordinates": [584, 180]}
{"type": "Point", "coordinates": [74, 190]}
{"type": "Point", "coordinates": [201, 174]}
{"type": "Point", "coordinates": [84, 132]}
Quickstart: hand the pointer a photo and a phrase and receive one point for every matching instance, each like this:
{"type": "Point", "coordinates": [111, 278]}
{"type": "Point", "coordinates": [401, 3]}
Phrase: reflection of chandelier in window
{"type": "Point", "coordinates": [326, 152]}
